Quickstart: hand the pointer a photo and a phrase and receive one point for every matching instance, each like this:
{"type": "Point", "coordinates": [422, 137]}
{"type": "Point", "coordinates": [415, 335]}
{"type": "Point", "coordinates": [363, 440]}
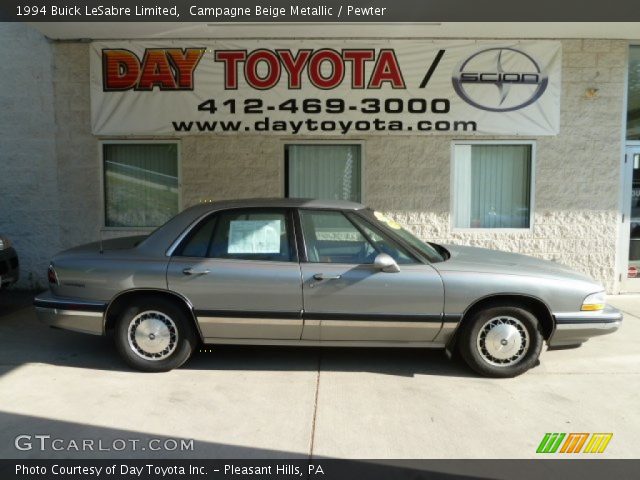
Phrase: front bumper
{"type": "Point", "coordinates": [70, 313]}
{"type": "Point", "coordinates": [9, 266]}
{"type": "Point", "coordinates": [578, 327]}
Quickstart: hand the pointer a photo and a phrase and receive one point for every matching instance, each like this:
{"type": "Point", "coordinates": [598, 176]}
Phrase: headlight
{"type": "Point", "coordinates": [593, 302]}
{"type": "Point", "coordinates": [4, 243]}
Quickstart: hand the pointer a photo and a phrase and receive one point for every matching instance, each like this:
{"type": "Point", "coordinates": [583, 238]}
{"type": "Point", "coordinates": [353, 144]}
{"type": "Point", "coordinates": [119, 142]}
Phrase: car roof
{"type": "Point", "coordinates": [160, 240]}
{"type": "Point", "coordinates": [280, 202]}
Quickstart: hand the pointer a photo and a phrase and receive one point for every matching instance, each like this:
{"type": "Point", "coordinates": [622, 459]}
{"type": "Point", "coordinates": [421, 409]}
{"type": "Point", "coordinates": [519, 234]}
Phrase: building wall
{"type": "Point", "coordinates": [29, 203]}
{"type": "Point", "coordinates": [577, 172]}
{"type": "Point", "coordinates": [76, 148]}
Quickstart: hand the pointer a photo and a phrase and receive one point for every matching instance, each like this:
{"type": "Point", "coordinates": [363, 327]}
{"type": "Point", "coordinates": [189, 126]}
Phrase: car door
{"type": "Point", "coordinates": [239, 269]}
{"type": "Point", "coordinates": [347, 298]}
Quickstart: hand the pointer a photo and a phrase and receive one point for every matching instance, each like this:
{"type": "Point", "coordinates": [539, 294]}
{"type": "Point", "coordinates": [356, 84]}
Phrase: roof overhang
{"type": "Point", "coordinates": [147, 30]}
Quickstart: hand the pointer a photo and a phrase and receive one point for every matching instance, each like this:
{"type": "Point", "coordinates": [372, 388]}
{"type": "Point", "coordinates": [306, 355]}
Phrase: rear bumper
{"type": "Point", "coordinates": [9, 266]}
{"type": "Point", "coordinates": [578, 327]}
{"type": "Point", "coordinates": [70, 313]}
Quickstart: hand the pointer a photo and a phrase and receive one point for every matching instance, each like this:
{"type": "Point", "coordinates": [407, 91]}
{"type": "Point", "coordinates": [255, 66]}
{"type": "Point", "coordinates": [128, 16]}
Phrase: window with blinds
{"type": "Point", "coordinates": [325, 172]}
{"type": "Point", "coordinates": [140, 183]}
{"type": "Point", "coordinates": [492, 185]}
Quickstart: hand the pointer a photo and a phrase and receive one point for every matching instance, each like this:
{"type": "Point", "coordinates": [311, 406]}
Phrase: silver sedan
{"type": "Point", "coordinates": [308, 272]}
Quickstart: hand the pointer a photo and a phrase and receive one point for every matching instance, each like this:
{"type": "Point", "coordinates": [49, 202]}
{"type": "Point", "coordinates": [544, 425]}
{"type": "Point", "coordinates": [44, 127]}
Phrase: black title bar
{"type": "Point", "coordinates": [242, 11]}
{"type": "Point", "coordinates": [317, 469]}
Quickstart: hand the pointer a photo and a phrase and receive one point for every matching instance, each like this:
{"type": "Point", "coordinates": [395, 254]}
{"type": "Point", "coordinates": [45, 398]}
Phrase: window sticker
{"type": "Point", "coordinates": [254, 236]}
{"type": "Point", "coordinates": [390, 222]}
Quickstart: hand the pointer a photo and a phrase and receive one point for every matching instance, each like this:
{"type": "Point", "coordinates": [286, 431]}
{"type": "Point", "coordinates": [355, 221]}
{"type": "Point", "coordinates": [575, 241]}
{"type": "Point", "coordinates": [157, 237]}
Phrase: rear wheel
{"type": "Point", "coordinates": [154, 335]}
{"type": "Point", "coordinates": [501, 341]}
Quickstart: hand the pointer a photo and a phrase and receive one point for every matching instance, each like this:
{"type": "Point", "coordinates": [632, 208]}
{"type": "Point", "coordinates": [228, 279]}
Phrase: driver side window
{"type": "Point", "coordinates": [331, 238]}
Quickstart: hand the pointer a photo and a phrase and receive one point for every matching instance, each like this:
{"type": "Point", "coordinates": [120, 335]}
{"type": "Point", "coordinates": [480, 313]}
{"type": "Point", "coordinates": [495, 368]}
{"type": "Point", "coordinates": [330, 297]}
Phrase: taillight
{"type": "Point", "coordinates": [51, 274]}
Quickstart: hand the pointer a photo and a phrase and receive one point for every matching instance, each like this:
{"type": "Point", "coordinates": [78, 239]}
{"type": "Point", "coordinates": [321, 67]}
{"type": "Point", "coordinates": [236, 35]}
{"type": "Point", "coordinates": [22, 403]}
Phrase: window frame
{"type": "Point", "coordinates": [632, 44]}
{"type": "Point", "coordinates": [285, 156]}
{"type": "Point", "coordinates": [351, 216]}
{"type": "Point", "coordinates": [290, 223]}
{"type": "Point", "coordinates": [103, 201]}
{"type": "Point", "coordinates": [347, 214]}
{"type": "Point", "coordinates": [299, 211]}
{"type": "Point", "coordinates": [453, 187]}
{"type": "Point", "coordinates": [420, 257]}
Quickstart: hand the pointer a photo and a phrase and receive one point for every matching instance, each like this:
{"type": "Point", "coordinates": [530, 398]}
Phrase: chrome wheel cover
{"type": "Point", "coordinates": [152, 335]}
{"type": "Point", "coordinates": [503, 341]}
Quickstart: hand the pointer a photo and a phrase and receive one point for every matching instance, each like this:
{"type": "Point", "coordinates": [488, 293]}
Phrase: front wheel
{"type": "Point", "coordinates": [501, 341]}
{"type": "Point", "coordinates": [154, 335]}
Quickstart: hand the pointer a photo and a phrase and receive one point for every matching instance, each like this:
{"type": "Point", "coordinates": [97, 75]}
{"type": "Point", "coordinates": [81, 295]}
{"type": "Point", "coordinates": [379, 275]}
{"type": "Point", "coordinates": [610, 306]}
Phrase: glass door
{"type": "Point", "coordinates": [632, 164]}
{"type": "Point", "coordinates": [631, 209]}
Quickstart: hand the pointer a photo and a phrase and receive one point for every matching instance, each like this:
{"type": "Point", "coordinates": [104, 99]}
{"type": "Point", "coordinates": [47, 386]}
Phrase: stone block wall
{"type": "Point", "coordinates": [29, 203]}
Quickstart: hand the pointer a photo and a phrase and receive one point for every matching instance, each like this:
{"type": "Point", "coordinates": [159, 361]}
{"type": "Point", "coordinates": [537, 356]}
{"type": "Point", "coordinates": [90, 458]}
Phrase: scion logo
{"type": "Point", "coordinates": [500, 79]}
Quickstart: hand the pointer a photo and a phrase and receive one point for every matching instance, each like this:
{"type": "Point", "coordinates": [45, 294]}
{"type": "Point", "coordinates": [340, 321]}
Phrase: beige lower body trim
{"type": "Point", "coordinates": [320, 343]}
{"type": "Point", "coordinates": [370, 331]}
{"type": "Point", "coordinates": [250, 328]}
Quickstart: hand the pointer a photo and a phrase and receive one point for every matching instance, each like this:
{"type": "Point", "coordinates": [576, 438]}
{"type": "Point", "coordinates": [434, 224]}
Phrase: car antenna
{"type": "Point", "coordinates": [101, 248]}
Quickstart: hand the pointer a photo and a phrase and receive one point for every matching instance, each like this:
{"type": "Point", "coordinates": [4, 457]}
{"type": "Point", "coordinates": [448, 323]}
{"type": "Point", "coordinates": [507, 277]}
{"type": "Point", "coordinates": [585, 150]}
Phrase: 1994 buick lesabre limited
{"type": "Point", "coordinates": [309, 272]}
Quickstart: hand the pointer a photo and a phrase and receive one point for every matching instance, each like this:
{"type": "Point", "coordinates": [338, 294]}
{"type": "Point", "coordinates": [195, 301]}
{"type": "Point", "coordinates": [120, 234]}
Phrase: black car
{"type": "Point", "coordinates": [9, 265]}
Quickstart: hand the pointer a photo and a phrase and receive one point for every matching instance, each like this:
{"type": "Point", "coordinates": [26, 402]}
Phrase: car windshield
{"type": "Point", "coordinates": [428, 251]}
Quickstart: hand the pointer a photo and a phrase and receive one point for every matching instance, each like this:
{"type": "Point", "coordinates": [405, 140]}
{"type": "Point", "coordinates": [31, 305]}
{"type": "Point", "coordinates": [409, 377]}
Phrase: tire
{"type": "Point", "coordinates": [482, 341]}
{"type": "Point", "coordinates": [154, 335]}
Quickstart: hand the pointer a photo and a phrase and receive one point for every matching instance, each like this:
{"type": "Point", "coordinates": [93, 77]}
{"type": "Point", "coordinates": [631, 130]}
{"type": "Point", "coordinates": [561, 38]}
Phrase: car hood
{"type": "Point", "coordinates": [484, 260]}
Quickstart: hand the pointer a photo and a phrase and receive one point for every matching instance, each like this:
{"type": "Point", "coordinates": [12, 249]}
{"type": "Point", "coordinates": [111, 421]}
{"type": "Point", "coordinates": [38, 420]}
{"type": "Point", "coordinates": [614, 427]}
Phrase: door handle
{"type": "Point", "coordinates": [194, 271]}
{"type": "Point", "coordinates": [322, 276]}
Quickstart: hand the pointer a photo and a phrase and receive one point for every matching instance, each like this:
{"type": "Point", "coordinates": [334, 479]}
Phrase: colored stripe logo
{"type": "Point", "coordinates": [574, 442]}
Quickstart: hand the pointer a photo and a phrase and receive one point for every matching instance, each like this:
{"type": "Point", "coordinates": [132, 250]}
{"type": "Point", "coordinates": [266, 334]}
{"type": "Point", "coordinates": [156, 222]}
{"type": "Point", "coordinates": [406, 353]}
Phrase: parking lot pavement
{"type": "Point", "coordinates": [295, 402]}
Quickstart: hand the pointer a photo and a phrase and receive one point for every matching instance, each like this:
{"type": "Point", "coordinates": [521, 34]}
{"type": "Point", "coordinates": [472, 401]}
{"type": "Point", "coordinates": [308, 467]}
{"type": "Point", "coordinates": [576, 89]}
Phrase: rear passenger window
{"type": "Point", "coordinates": [257, 234]}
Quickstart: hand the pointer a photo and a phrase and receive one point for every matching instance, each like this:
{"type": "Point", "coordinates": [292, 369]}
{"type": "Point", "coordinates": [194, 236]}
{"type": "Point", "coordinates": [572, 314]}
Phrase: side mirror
{"type": "Point", "coordinates": [386, 263]}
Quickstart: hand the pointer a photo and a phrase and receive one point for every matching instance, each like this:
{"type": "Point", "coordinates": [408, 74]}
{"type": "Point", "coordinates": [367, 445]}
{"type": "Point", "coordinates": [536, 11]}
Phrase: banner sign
{"type": "Point", "coordinates": [326, 87]}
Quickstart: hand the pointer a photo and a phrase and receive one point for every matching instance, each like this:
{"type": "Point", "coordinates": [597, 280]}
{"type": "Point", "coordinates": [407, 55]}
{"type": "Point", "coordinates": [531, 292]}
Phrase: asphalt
{"type": "Point", "coordinates": [267, 402]}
